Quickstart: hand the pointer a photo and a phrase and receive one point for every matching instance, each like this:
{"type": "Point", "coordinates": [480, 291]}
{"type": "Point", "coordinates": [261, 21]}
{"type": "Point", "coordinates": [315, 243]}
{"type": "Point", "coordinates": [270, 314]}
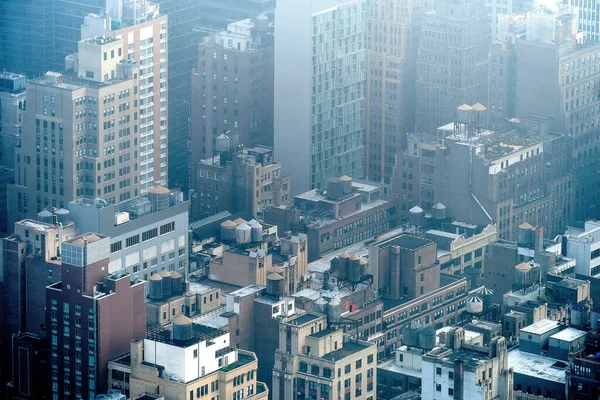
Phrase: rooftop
{"type": "Point", "coordinates": [348, 349]}
{"type": "Point", "coordinates": [324, 333]}
{"type": "Point", "coordinates": [404, 241]}
{"type": "Point", "coordinates": [200, 333]}
{"type": "Point", "coordinates": [38, 226]}
{"type": "Point", "coordinates": [540, 327]}
{"type": "Point", "coordinates": [303, 319]}
{"type": "Point", "coordinates": [248, 290]}
{"type": "Point", "coordinates": [472, 358]}
{"type": "Point", "coordinates": [568, 335]}
{"type": "Point", "coordinates": [537, 366]}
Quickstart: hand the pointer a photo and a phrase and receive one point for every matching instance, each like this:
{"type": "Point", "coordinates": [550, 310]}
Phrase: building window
{"type": "Point", "coordinates": [195, 353]}
{"type": "Point", "coordinates": [438, 387]}
{"type": "Point", "coordinates": [131, 241]}
{"type": "Point", "coordinates": [150, 234]}
{"type": "Point", "coordinates": [166, 228]}
{"type": "Point", "coordinates": [114, 247]}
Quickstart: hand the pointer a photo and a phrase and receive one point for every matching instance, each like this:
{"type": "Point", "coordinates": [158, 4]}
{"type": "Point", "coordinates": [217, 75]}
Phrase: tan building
{"type": "Point", "coordinates": [191, 361]}
{"type": "Point", "coordinates": [163, 308]}
{"type": "Point", "coordinates": [314, 361]}
{"type": "Point", "coordinates": [245, 264]}
{"type": "Point", "coordinates": [145, 41]}
{"type": "Point", "coordinates": [80, 134]}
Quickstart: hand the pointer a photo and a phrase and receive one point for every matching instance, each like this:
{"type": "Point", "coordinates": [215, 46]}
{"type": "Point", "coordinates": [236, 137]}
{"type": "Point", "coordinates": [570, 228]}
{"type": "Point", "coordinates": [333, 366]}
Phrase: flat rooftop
{"type": "Point", "coordinates": [323, 333]}
{"type": "Point", "coordinates": [303, 319]}
{"type": "Point", "coordinates": [407, 242]}
{"type": "Point", "coordinates": [568, 335]}
{"type": "Point", "coordinates": [540, 327]}
{"type": "Point", "coordinates": [38, 226]}
{"type": "Point", "coordinates": [537, 366]}
{"type": "Point", "coordinates": [348, 349]}
{"type": "Point", "coordinates": [248, 290]}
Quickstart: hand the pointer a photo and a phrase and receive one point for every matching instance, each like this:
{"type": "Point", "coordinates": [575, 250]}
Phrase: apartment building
{"type": "Point", "coordinates": [190, 361]}
{"type": "Point", "coordinates": [239, 180]}
{"type": "Point", "coordinates": [314, 360]}
{"type": "Point", "coordinates": [232, 88]}
{"type": "Point", "coordinates": [80, 135]}
{"type": "Point", "coordinates": [144, 35]}
{"type": "Point", "coordinates": [148, 233]}
{"type": "Point", "coordinates": [91, 318]}
{"type": "Point", "coordinates": [392, 40]}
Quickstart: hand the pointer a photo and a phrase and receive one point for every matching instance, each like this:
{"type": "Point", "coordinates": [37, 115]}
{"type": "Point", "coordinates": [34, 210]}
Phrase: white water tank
{"type": "Point", "coordinates": [243, 233]}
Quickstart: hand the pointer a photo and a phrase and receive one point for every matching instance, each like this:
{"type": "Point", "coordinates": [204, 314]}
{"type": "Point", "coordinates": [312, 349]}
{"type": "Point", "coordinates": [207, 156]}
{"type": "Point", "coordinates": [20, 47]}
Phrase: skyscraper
{"type": "Point", "coordinates": [232, 89]}
{"type": "Point", "coordinates": [144, 35]}
{"type": "Point", "coordinates": [452, 61]}
{"type": "Point", "coordinates": [81, 132]}
{"type": "Point", "coordinates": [320, 85]}
{"type": "Point", "coordinates": [26, 32]}
{"type": "Point", "coordinates": [393, 37]}
{"type": "Point", "coordinates": [91, 316]}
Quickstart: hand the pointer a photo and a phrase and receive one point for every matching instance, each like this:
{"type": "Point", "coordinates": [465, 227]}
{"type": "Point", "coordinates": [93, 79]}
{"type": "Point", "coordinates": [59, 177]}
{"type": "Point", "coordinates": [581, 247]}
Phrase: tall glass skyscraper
{"type": "Point", "coordinates": [320, 89]}
{"type": "Point", "coordinates": [26, 44]}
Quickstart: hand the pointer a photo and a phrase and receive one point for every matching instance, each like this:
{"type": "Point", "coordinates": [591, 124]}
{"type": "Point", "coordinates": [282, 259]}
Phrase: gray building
{"type": "Point", "coordinates": [13, 103]}
{"type": "Point", "coordinates": [320, 90]}
{"type": "Point", "coordinates": [26, 36]}
{"type": "Point", "coordinates": [538, 375]}
{"type": "Point", "coordinates": [239, 181]}
{"type": "Point", "coordinates": [232, 89]}
{"type": "Point", "coordinates": [392, 40]}
{"type": "Point", "coordinates": [80, 135]}
{"type": "Point", "coordinates": [147, 234]}
{"type": "Point", "coordinates": [452, 61]}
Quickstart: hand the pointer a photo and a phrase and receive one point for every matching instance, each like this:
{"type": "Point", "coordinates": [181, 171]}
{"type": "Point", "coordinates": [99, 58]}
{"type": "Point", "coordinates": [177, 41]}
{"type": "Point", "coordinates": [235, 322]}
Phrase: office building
{"type": "Point", "coordinates": [13, 103]}
{"type": "Point", "coordinates": [239, 181]}
{"type": "Point", "coordinates": [496, 10]}
{"type": "Point", "coordinates": [501, 103]}
{"type": "Point", "coordinates": [232, 88]}
{"type": "Point", "coordinates": [83, 139]}
{"type": "Point", "coordinates": [568, 66]}
{"type": "Point", "coordinates": [145, 38]}
{"type": "Point", "coordinates": [393, 37]}
{"type": "Point", "coordinates": [346, 213]}
{"type": "Point", "coordinates": [188, 360]}
{"type": "Point", "coordinates": [464, 371]}
{"type": "Point", "coordinates": [588, 18]}
{"type": "Point", "coordinates": [148, 233]}
{"type": "Point", "coordinates": [91, 315]}
{"type": "Point", "coordinates": [320, 112]}
{"type": "Point", "coordinates": [315, 360]}
{"type": "Point", "coordinates": [452, 61]}
{"type": "Point", "coordinates": [27, 29]}
{"type": "Point", "coordinates": [496, 188]}
{"type": "Point", "coordinates": [583, 369]}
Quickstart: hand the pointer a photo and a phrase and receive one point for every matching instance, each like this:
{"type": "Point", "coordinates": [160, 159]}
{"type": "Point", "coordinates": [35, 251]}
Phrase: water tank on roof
{"type": "Point", "coordinates": [525, 235]}
{"type": "Point", "coordinates": [335, 188]}
{"type": "Point", "coordinates": [354, 268]}
{"type": "Point", "coordinates": [364, 266]}
{"type": "Point", "coordinates": [410, 334]}
{"type": "Point", "coordinates": [321, 305]}
{"type": "Point", "coordinates": [439, 211]}
{"type": "Point", "coordinates": [243, 233]}
{"type": "Point", "coordinates": [45, 216]}
{"type": "Point", "coordinates": [415, 216]}
{"type": "Point", "coordinates": [155, 287]}
{"type": "Point", "coordinates": [166, 283]}
{"type": "Point", "coordinates": [344, 263]}
{"type": "Point", "coordinates": [427, 338]}
{"type": "Point", "coordinates": [115, 394]}
{"type": "Point", "coordinates": [102, 397]}
{"type": "Point", "coordinates": [334, 309]}
{"type": "Point", "coordinates": [159, 198]}
{"type": "Point", "coordinates": [463, 113]}
{"type": "Point", "coordinates": [256, 232]}
{"type": "Point", "coordinates": [275, 284]}
{"type": "Point", "coordinates": [176, 283]}
{"type": "Point", "coordinates": [524, 275]}
{"type": "Point", "coordinates": [346, 184]}
{"type": "Point", "coordinates": [63, 216]}
{"type": "Point", "coordinates": [228, 230]}
{"type": "Point", "coordinates": [182, 328]}
{"type": "Point", "coordinates": [474, 305]}
{"type": "Point", "coordinates": [222, 144]}
{"type": "Point", "coordinates": [487, 295]}
{"type": "Point", "coordinates": [261, 23]}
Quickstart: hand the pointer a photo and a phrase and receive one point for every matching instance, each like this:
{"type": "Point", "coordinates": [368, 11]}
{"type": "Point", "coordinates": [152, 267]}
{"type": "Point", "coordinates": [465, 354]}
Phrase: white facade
{"type": "Point", "coordinates": [320, 89]}
{"type": "Point", "coordinates": [187, 363]}
{"type": "Point", "coordinates": [584, 247]}
{"type": "Point", "coordinates": [496, 8]}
